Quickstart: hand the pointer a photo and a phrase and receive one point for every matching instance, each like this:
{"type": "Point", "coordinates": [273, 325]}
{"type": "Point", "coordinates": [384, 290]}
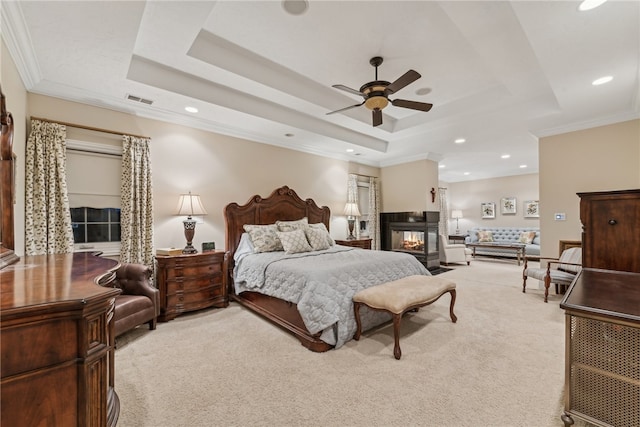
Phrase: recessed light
{"type": "Point", "coordinates": [505, 156]}
{"type": "Point", "coordinates": [191, 109]}
{"type": "Point", "coordinates": [590, 4]}
{"type": "Point", "coordinates": [602, 80]}
{"type": "Point", "coordinates": [289, 135]}
{"type": "Point", "coordinates": [467, 173]}
{"type": "Point", "coordinates": [523, 166]}
{"type": "Point", "coordinates": [350, 150]}
{"type": "Point", "coordinates": [460, 141]}
{"type": "Point", "coordinates": [442, 166]}
{"type": "Point", "coordinates": [423, 91]}
{"type": "Point", "coordinates": [295, 7]}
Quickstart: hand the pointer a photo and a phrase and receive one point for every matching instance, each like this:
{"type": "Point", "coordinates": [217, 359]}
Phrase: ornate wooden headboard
{"type": "Point", "coordinates": [283, 204]}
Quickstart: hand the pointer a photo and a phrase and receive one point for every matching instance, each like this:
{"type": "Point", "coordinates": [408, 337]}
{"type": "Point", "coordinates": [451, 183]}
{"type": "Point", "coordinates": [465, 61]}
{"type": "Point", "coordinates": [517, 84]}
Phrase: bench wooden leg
{"type": "Point", "coordinates": [397, 353]}
{"type": "Point", "coordinates": [454, 318]}
{"type": "Point", "coordinates": [356, 313]}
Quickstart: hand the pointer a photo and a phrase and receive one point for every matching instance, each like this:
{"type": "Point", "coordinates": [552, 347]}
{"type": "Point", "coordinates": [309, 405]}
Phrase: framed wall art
{"type": "Point", "coordinates": [488, 210]}
{"type": "Point", "coordinates": [508, 206]}
{"type": "Point", "coordinates": [531, 209]}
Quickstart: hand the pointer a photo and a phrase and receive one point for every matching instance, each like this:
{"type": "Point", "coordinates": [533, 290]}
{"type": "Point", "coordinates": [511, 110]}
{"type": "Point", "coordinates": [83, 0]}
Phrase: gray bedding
{"type": "Point", "coordinates": [322, 284]}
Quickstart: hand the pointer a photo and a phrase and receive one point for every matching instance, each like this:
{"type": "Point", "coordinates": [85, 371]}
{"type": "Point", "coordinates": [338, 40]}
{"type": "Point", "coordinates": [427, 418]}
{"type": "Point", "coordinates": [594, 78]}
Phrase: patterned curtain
{"type": "Point", "coordinates": [374, 213]}
{"type": "Point", "coordinates": [443, 224]}
{"type": "Point", "coordinates": [136, 219]}
{"type": "Point", "coordinates": [352, 197]}
{"type": "Point", "coordinates": [47, 215]}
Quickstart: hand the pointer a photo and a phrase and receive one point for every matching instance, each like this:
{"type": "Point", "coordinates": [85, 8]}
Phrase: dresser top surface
{"type": "Point", "coordinates": [605, 292]}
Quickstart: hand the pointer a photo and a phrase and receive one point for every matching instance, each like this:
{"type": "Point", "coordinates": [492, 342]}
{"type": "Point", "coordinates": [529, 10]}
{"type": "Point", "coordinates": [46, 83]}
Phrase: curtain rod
{"type": "Point", "coordinates": [364, 176]}
{"type": "Point", "coordinates": [73, 125]}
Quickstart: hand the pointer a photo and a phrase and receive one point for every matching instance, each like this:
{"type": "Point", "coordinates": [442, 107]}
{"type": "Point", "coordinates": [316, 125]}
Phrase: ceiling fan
{"type": "Point", "coordinates": [376, 93]}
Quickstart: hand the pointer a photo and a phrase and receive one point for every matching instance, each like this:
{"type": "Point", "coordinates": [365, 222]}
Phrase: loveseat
{"type": "Point", "coordinates": [506, 235]}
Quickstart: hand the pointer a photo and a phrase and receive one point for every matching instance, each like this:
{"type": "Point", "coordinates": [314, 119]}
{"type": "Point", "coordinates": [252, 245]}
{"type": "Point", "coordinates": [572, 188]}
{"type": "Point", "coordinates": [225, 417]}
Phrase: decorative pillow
{"type": "Point", "coordinates": [321, 226]}
{"type": "Point", "coordinates": [292, 225]}
{"type": "Point", "coordinates": [317, 238]}
{"type": "Point", "coordinates": [294, 241]}
{"type": "Point", "coordinates": [264, 237]}
{"type": "Point", "coordinates": [527, 237]}
{"type": "Point", "coordinates": [485, 236]}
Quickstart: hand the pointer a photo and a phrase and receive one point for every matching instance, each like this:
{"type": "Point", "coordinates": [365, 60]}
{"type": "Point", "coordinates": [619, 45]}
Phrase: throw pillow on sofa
{"type": "Point", "coordinates": [527, 237]}
{"type": "Point", "coordinates": [485, 236]}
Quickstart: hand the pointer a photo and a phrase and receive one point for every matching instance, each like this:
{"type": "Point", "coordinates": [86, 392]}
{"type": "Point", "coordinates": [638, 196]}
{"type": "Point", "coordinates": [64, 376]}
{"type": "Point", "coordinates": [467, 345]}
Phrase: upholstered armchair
{"type": "Point", "coordinates": [559, 271]}
{"type": "Point", "coordinates": [453, 252]}
{"type": "Point", "coordinates": [139, 301]}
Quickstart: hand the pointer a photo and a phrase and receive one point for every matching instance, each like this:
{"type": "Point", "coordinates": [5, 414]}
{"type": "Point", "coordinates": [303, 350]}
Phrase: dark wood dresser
{"type": "Point", "coordinates": [191, 282]}
{"type": "Point", "coordinates": [56, 336]}
{"type": "Point", "coordinates": [610, 230]}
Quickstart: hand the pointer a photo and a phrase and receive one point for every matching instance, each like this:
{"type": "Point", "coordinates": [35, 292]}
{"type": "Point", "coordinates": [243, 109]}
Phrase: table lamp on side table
{"type": "Point", "coordinates": [351, 211]}
{"type": "Point", "coordinates": [190, 204]}
{"type": "Point", "coordinates": [456, 214]}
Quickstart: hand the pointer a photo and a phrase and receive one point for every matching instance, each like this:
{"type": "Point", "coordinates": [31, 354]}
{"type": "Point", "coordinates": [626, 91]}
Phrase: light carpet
{"type": "Point", "coordinates": [501, 364]}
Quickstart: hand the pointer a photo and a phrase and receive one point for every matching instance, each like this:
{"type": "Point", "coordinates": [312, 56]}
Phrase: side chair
{"type": "Point", "coordinates": [559, 271]}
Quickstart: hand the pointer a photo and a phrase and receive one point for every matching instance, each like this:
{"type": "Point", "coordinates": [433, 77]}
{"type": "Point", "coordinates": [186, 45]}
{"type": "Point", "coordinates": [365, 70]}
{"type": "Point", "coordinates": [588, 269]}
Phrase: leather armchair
{"type": "Point", "coordinates": [139, 301]}
{"type": "Point", "coordinates": [453, 252]}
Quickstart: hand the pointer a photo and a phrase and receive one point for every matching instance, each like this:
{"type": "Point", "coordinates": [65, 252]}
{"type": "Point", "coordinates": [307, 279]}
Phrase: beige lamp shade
{"type": "Point", "coordinates": [190, 204]}
{"type": "Point", "coordinates": [456, 214]}
{"type": "Point", "coordinates": [351, 209]}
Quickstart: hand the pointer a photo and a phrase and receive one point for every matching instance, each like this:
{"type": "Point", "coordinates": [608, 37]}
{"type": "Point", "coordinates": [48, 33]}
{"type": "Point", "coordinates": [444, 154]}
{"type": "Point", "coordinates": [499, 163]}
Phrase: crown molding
{"type": "Point", "coordinates": [16, 36]}
{"type": "Point", "coordinates": [587, 124]}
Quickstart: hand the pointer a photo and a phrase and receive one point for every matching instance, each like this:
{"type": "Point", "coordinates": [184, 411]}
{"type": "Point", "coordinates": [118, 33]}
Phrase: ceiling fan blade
{"type": "Point", "coordinates": [414, 105]}
{"type": "Point", "coordinates": [346, 108]}
{"type": "Point", "coordinates": [348, 89]}
{"type": "Point", "coordinates": [407, 78]}
{"type": "Point", "coordinates": [377, 117]}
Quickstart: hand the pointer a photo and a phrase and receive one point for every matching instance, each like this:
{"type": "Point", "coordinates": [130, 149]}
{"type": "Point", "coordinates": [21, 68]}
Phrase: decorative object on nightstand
{"type": "Point", "coordinates": [190, 204]}
{"type": "Point", "coordinates": [456, 214]}
{"type": "Point", "coordinates": [351, 211]}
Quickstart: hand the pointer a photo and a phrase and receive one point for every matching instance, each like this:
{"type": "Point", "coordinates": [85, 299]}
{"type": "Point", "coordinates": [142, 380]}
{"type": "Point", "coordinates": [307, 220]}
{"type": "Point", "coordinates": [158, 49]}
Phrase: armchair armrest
{"type": "Point", "coordinates": [135, 279]}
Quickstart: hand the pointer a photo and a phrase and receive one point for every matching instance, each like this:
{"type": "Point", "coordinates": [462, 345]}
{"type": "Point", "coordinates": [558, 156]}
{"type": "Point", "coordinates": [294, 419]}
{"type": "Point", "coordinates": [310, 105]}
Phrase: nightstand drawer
{"type": "Point", "coordinates": [191, 284]}
{"type": "Point", "coordinates": [187, 301]}
{"type": "Point", "coordinates": [181, 270]}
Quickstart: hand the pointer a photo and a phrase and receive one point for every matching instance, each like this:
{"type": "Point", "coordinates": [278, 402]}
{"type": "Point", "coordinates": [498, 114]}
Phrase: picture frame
{"type": "Point", "coordinates": [208, 246]}
{"type": "Point", "coordinates": [508, 205]}
{"type": "Point", "coordinates": [531, 209]}
{"type": "Point", "coordinates": [488, 210]}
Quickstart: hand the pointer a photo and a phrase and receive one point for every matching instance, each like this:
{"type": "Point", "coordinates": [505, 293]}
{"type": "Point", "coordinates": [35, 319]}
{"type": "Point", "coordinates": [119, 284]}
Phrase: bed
{"type": "Point", "coordinates": [308, 294]}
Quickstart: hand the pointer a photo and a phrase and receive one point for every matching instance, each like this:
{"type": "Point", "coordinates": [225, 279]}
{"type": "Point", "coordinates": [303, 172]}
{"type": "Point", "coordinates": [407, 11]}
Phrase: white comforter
{"type": "Point", "coordinates": [322, 284]}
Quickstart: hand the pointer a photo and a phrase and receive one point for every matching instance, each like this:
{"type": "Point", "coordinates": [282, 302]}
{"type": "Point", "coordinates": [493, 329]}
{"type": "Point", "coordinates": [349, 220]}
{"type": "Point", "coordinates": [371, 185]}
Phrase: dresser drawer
{"type": "Point", "coordinates": [193, 270]}
{"type": "Point", "coordinates": [192, 284]}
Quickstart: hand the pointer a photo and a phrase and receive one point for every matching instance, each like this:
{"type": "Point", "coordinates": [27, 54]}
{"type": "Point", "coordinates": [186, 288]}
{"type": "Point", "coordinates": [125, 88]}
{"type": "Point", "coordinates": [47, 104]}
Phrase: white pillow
{"type": "Point", "coordinates": [244, 247]}
{"type": "Point", "coordinates": [317, 238]}
{"type": "Point", "coordinates": [321, 226]}
{"type": "Point", "coordinates": [294, 241]}
{"type": "Point", "coordinates": [264, 237]}
{"type": "Point", "coordinates": [292, 225]}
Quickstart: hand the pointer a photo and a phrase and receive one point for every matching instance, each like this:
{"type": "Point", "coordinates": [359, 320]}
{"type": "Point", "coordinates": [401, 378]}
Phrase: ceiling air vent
{"type": "Point", "coordinates": [138, 99]}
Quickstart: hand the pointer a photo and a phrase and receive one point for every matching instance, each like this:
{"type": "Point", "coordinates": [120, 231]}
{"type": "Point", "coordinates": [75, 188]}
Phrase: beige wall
{"type": "Point", "coordinates": [468, 196]}
{"type": "Point", "coordinates": [16, 95]}
{"type": "Point", "coordinates": [407, 187]}
{"type": "Point", "coordinates": [597, 159]}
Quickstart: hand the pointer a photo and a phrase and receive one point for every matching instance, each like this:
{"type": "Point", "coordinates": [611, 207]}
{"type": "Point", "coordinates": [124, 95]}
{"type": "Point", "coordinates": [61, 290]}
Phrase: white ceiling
{"type": "Point", "coordinates": [500, 74]}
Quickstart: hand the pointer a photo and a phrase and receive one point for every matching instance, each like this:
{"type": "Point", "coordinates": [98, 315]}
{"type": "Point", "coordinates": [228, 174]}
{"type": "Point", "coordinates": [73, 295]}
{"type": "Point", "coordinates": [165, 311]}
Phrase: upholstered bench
{"type": "Point", "coordinates": [400, 296]}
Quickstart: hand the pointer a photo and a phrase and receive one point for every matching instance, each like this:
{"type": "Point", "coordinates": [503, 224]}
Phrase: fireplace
{"type": "Point", "coordinates": [415, 233]}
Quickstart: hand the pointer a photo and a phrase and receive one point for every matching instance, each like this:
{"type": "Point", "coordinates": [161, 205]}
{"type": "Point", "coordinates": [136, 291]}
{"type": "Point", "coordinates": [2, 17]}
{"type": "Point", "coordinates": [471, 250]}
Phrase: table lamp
{"type": "Point", "coordinates": [190, 204]}
{"type": "Point", "coordinates": [351, 211]}
{"type": "Point", "coordinates": [456, 214]}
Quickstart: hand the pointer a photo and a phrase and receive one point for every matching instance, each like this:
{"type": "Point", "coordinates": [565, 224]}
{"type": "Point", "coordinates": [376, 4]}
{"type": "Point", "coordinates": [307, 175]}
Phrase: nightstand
{"type": "Point", "coordinates": [356, 243]}
{"type": "Point", "coordinates": [191, 282]}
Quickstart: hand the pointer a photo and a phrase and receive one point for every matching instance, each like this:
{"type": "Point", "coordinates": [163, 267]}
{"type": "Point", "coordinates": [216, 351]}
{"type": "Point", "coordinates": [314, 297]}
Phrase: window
{"type": "Point", "coordinates": [91, 225]}
{"type": "Point", "coordinates": [93, 183]}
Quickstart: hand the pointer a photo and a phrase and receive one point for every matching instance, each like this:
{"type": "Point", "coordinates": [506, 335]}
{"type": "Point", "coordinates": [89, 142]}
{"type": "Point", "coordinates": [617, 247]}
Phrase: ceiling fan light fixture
{"type": "Point", "coordinates": [378, 102]}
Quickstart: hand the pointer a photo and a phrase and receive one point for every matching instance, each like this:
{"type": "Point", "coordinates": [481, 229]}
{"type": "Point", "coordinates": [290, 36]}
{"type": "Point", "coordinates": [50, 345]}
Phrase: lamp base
{"type": "Point", "coordinates": [189, 249]}
{"type": "Point", "coordinates": [352, 223]}
{"type": "Point", "coordinates": [189, 232]}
